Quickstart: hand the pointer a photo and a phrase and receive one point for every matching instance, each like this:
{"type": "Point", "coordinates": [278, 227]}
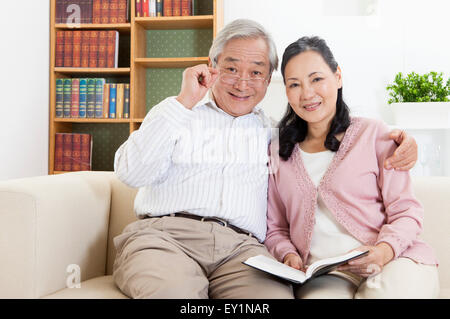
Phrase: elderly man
{"type": "Point", "coordinates": [200, 160]}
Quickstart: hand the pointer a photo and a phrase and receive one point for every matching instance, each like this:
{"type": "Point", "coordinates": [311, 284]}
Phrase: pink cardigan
{"type": "Point", "coordinates": [373, 204]}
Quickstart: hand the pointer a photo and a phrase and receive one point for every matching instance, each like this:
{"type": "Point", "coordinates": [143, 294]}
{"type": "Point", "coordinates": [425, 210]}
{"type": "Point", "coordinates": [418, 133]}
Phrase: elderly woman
{"type": "Point", "coordinates": [331, 194]}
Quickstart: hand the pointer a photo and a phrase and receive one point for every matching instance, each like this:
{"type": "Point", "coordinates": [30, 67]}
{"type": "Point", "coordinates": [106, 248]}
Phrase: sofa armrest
{"type": "Point", "coordinates": [48, 223]}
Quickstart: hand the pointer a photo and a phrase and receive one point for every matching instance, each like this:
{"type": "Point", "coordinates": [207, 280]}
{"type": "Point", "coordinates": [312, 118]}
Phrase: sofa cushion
{"type": "Point", "coordinates": [97, 288]}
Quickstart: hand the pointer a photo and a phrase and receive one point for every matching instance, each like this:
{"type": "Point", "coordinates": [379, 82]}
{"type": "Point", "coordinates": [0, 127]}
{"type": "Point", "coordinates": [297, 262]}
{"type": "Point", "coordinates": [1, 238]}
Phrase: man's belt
{"type": "Point", "coordinates": [210, 219]}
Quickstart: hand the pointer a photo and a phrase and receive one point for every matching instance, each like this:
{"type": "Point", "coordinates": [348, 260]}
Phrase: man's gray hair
{"type": "Point", "coordinates": [243, 29]}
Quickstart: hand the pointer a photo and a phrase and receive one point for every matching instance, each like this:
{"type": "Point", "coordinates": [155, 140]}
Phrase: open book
{"type": "Point", "coordinates": [316, 269]}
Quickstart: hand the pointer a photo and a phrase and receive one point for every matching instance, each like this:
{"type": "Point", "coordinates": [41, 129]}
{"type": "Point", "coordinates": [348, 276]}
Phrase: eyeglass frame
{"type": "Point", "coordinates": [239, 78]}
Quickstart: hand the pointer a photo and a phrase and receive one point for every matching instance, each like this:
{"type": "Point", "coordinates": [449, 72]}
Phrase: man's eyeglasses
{"type": "Point", "coordinates": [232, 79]}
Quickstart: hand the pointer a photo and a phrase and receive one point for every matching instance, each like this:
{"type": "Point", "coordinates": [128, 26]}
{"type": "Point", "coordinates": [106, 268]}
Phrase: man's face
{"type": "Point", "coordinates": [248, 59]}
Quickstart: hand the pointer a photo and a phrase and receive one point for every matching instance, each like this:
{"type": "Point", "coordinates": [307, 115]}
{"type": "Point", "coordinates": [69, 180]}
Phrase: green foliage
{"type": "Point", "coordinates": [414, 87]}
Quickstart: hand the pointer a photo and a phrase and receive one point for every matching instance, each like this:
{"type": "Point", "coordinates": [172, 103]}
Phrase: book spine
{"type": "Point", "coordinates": [96, 11]}
{"type": "Point", "coordinates": [138, 9]}
{"type": "Point", "coordinates": [159, 8]}
{"type": "Point", "coordinates": [58, 11]}
{"type": "Point", "coordinates": [59, 50]}
{"type": "Point", "coordinates": [67, 152]}
{"type": "Point", "coordinates": [76, 57]}
{"type": "Point", "coordinates": [89, 6]}
{"type": "Point", "coordinates": [167, 7]}
{"type": "Point", "coordinates": [126, 101]}
{"type": "Point", "coordinates": [59, 152]}
{"type": "Point", "coordinates": [85, 40]}
{"type": "Point", "coordinates": [67, 102]}
{"type": "Point", "coordinates": [122, 13]}
{"type": "Point", "coordinates": [90, 113]}
{"type": "Point", "coordinates": [112, 101]}
{"type": "Point", "coordinates": [186, 8]}
{"type": "Point", "coordinates": [83, 98]}
{"type": "Point", "coordinates": [152, 8]}
{"type": "Point", "coordinates": [80, 3]}
{"type": "Point", "coordinates": [145, 8]}
{"type": "Point", "coordinates": [102, 43]}
{"type": "Point", "coordinates": [99, 84]}
{"type": "Point", "coordinates": [86, 152]}
{"type": "Point", "coordinates": [105, 11]}
{"type": "Point", "coordinates": [75, 107]}
{"type": "Point", "coordinates": [68, 48]}
{"type": "Point", "coordinates": [113, 11]}
{"type": "Point", "coordinates": [84, 6]}
{"type": "Point", "coordinates": [59, 98]}
{"type": "Point", "coordinates": [93, 49]}
{"type": "Point", "coordinates": [76, 152]}
{"type": "Point", "coordinates": [176, 11]}
{"type": "Point", "coordinates": [119, 101]}
{"type": "Point", "coordinates": [106, 100]}
{"type": "Point", "coordinates": [111, 59]}
{"type": "Point", "coordinates": [64, 13]}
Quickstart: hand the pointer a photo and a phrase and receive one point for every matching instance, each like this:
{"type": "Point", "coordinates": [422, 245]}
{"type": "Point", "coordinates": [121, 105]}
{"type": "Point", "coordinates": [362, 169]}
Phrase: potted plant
{"type": "Point", "coordinates": [420, 101]}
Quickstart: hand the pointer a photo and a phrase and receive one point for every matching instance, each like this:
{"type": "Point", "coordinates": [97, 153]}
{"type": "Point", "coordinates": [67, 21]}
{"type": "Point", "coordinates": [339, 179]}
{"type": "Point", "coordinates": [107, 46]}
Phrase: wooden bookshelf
{"type": "Point", "coordinates": [141, 71]}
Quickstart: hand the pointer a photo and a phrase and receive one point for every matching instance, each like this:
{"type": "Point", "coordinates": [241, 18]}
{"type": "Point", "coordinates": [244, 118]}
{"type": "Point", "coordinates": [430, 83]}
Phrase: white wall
{"type": "Point", "coordinates": [24, 88]}
{"type": "Point", "coordinates": [402, 35]}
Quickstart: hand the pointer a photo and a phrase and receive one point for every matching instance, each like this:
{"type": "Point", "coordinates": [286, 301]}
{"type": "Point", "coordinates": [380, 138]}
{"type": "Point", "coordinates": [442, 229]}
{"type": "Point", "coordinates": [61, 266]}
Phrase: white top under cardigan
{"type": "Point", "coordinates": [202, 161]}
{"type": "Point", "coordinates": [329, 238]}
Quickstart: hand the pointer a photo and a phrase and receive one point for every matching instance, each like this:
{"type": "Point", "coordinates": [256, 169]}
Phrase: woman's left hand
{"type": "Point", "coordinates": [372, 263]}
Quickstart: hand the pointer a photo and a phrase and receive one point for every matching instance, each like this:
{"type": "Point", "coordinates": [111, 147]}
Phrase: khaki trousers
{"type": "Point", "coordinates": [175, 257]}
{"type": "Point", "coordinates": [399, 279]}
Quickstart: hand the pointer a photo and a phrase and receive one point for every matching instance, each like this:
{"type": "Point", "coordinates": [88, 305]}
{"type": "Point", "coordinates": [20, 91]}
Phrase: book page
{"type": "Point", "coordinates": [330, 261]}
{"type": "Point", "coordinates": [274, 267]}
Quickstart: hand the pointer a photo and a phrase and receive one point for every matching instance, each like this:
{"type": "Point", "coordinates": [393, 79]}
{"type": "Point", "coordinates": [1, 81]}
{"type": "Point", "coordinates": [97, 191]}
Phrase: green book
{"type": "Point", "coordinates": [91, 98]}
{"type": "Point", "coordinates": [59, 97]}
{"type": "Point", "coordinates": [99, 87]}
{"type": "Point", "coordinates": [67, 97]}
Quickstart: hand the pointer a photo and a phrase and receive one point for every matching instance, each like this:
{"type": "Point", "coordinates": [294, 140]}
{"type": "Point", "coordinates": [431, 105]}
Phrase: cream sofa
{"type": "Point", "coordinates": [49, 224]}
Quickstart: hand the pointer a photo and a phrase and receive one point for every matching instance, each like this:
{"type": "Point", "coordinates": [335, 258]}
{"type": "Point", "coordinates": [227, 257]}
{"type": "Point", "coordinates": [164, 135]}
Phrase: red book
{"type": "Point", "coordinates": [113, 11]}
{"type": "Point", "coordinates": [186, 8]}
{"type": "Point", "coordinates": [86, 151]}
{"type": "Point", "coordinates": [67, 152]}
{"type": "Point", "coordinates": [123, 11]}
{"type": "Point", "coordinates": [85, 40]}
{"type": "Point", "coordinates": [112, 48]}
{"type": "Point", "coordinates": [96, 11]}
{"type": "Point", "coordinates": [76, 58]}
{"type": "Point", "coordinates": [139, 12]}
{"type": "Point", "coordinates": [93, 49]}
{"type": "Point", "coordinates": [167, 7]}
{"type": "Point", "coordinates": [105, 11]}
{"type": "Point", "coordinates": [145, 8]}
{"type": "Point", "coordinates": [59, 11]}
{"type": "Point", "coordinates": [75, 106]}
{"type": "Point", "coordinates": [59, 60]}
{"type": "Point", "coordinates": [68, 48]}
{"type": "Point", "coordinates": [76, 152]}
{"type": "Point", "coordinates": [102, 42]}
{"type": "Point", "coordinates": [176, 11]}
{"type": "Point", "coordinates": [59, 141]}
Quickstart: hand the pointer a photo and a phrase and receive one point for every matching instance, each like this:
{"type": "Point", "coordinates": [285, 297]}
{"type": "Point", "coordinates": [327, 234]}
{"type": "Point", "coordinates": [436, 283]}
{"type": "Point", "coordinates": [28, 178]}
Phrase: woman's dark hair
{"type": "Point", "coordinates": [293, 129]}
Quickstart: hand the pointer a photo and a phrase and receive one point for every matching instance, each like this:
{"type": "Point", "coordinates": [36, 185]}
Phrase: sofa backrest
{"type": "Point", "coordinates": [433, 193]}
{"type": "Point", "coordinates": [122, 214]}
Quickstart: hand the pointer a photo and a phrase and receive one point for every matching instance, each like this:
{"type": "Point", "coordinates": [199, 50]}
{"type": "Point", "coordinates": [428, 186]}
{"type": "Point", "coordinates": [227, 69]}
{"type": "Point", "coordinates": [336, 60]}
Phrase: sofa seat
{"type": "Point", "coordinates": [97, 288]}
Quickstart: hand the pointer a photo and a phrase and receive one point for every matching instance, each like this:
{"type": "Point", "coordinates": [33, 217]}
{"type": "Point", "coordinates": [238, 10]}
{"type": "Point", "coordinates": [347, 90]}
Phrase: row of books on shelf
{"type": "Point", "coordinates": [73, 152]}
{"type": "Point", "coordinates": [166, 8]}
{"type": "Point", "coordinates": [92, 98]}
{"type": "Point", "coordinates": [92, 11]}
{"type": "Point", "coordinates": [87, 49]}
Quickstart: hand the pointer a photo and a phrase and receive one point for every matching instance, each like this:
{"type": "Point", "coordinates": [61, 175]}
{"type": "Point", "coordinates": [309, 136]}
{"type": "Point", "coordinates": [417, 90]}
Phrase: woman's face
{"type": "Point", "coordinates": [312, 87]}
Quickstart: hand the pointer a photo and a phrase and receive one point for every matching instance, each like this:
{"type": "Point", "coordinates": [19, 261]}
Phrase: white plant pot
{"type": "Point", "coordinates": [427, 115]}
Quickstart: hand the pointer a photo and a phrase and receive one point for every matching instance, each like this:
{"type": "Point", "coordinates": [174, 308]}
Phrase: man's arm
{"type": "Point", "coordinates": [405, 156]}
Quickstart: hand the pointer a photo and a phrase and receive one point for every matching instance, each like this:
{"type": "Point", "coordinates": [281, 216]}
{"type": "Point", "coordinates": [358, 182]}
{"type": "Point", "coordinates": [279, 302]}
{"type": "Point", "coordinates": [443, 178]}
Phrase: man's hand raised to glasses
{"type": "Point", "coordinates": [197, 80]}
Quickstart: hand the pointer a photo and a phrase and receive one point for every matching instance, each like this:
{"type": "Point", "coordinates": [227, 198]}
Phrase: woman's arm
{"type": "Point", "coordinates": [278, 240]}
